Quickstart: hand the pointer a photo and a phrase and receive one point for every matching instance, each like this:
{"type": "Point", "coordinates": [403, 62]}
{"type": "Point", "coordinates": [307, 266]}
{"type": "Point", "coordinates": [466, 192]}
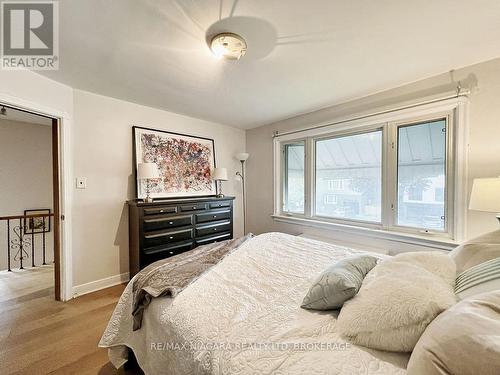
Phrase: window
{"type": "Point", "coordinates": [330, 199]}
{"type": "Point", "coordinates": [335, 184]}
{"type": "Point", "coordinates": [294, 177]}
{"type": "Point", "coordinates": [401, 172]}
{"type": "Point", "coordinates": [351, 167]}
{"type": "Point", "coordinates": [415, 193]}
{"type": "Point", "coordinates": [421, 170]}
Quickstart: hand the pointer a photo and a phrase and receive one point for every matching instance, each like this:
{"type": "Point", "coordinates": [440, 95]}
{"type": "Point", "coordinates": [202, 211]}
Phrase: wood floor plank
{"type": "Point", "coordinates": [68, 311]}
{"type": "Point", "coordinates": [39, 335]}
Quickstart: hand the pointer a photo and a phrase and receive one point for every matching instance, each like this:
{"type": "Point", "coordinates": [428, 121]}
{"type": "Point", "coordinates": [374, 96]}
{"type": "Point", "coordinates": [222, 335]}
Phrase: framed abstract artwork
{"type": "Point", "coordinates": [185, 163]}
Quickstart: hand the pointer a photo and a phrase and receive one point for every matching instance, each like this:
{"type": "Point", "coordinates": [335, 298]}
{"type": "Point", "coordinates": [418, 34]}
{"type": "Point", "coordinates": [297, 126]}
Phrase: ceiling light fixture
{"type": "Point", "coordinates": [228, 46]}
{"type": "Point", "coordinates": [3, 111]}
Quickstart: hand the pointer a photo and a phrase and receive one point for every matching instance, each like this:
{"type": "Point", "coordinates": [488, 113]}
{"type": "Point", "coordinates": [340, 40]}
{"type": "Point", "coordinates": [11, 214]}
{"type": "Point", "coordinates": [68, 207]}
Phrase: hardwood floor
{"type": "Point", "coordinates": [39, 335]}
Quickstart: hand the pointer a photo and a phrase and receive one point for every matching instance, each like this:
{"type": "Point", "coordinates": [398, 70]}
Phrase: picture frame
{"type": "Point", "coordinates": [35, 225]}
{"type": "Point", "coordinates": [185, 163]}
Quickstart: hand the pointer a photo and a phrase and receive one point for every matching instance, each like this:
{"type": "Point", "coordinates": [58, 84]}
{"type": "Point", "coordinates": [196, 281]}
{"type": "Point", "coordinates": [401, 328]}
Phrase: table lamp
{"type": "Point", "coordinates": [148, 172]}
{"type": "Point", "coordinates": [219, 175]}
{"type": "Point", "coordinates": [485, 195]}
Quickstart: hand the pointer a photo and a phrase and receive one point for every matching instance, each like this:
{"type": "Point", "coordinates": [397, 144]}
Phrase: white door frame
{"type": "Point", "coordinates": [65, 178]}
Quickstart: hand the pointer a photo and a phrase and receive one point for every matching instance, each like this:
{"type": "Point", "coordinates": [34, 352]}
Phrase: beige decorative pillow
{"type": "Point", "coordinates": [484, 277]}
{"type": "Point", "coordinates": [476, 251]}
{"type": "Point", "coordinates": [398, 299]}
{"type": "Point", "coordinates": [464, 340]}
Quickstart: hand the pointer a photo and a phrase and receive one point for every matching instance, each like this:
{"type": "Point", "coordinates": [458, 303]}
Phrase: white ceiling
{"type": "Point", "coordinates": [302, 55]}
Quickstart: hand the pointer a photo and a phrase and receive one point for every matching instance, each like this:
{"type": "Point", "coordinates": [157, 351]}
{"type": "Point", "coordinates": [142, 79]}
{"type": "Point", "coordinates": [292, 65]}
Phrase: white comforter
{"type": "Point", "coordinates": [244, 317]}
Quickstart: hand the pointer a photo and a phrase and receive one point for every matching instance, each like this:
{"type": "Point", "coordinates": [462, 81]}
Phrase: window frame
{"type": "Point", "coordinates": [284, 175]}
{"type": "Point", "coordinates": [344, 133]}
{"type": "Point", "coordinates": [453, 110]}
{"type": "Point", "coordinates": [449, 229]}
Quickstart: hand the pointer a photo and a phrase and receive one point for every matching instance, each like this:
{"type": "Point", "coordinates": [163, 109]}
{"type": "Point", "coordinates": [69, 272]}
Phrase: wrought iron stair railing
{"type": "Point", "coordinates": [22, 230]}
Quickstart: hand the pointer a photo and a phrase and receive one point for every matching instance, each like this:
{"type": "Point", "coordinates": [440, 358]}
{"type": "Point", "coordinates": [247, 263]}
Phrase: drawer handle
{"type": "Point", "coordinates": [170, 252]}
{"type": "Point", "coordinates": [161, 211]}
{"type": "Point", "coordinates": [171, 237]}
{"type": "Point", "coordinates": [215, 216]}
{"type": "Point", "coordinates": [215, 228]}
{"type": "Point", "coordinates": [170, 222]}
{"type": "Point", "coordinates": [194, 207]}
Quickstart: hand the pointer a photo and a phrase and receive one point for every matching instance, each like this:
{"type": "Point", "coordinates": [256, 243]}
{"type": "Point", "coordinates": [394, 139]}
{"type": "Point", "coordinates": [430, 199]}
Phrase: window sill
{"type": "Point", "coordinates": [432, 241]}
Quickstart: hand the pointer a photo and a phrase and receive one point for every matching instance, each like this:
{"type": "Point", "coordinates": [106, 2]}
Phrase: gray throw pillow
{"type": "Point", "coordinates": [338, 283]}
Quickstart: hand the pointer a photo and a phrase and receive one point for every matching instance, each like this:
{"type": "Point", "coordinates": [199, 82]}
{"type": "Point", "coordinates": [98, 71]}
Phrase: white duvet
{"type": "Point", "coordinates": [244, 317]}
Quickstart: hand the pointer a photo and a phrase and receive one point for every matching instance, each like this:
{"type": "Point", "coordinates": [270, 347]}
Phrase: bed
{"type": "Point", "coordinates": [243, 316]}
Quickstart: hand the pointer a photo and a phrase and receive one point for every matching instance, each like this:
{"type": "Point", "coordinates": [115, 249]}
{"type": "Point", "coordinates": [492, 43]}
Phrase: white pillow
{"type": "Point", "coordinates": [433, 261]}
{"type": "Point", "coordinates": [398, 299]}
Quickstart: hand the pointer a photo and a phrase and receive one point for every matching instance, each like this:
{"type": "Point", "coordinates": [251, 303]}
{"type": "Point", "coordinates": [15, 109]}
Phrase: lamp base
{"type": "Point", "coordinates": [148, 199]}
{"type": "Point", "coordinates": [218, 189]}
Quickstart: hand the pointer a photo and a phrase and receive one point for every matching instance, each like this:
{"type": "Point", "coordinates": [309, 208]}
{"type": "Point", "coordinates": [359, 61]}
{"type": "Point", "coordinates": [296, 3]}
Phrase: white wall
{"type": "Point", "coordinates": [484, 158]}
{"type": "Point", "coordinates": [103, 153]}
{"type": "Point", "coordinates": [34, 88]}
{"type": "Point", "coordinates": [101, 142]}
{"type": "Point", "coordinates": [25, 180]}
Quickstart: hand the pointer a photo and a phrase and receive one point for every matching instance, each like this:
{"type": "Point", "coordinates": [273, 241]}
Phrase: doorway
{"type": "Point", "coordinates": [30, 235]}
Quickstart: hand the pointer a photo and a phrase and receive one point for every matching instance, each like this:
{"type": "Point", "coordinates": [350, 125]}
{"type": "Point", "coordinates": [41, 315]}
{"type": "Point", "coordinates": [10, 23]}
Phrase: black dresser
{"type": "Point", "coordinates": [168, 227]}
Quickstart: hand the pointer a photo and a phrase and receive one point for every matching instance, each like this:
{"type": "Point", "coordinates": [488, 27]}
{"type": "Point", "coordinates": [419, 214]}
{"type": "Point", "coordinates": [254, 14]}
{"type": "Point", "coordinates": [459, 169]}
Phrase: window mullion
{"type": "Point", "coordinates": [450, 187]}
{"type": "Point", "coordinates": [309, 165]}
{"type": "Point", "coordinates": [284, 189]}
{"type": "Point", "coordinates": [389, 179]}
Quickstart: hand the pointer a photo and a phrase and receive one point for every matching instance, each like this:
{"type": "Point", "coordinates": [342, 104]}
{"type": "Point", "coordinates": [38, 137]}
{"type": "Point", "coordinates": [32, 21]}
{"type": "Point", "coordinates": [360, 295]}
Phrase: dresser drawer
{"type": "Point", "coordinates": [213, 216]}
{"type": "Point", "coordinates": [220, 204]}
{"type": "Point", "coordinates": [160, 210]}
{"type": "Point", "coordinates": [206, 230]}
{"type": "Point", "coordinates": [166, 237]}
{"type": "Point", "coordinates": [211, 239]}
{"type": "Point", "coordinates": [193, 207]}
{"type": "Point", "coordinates": [162, 222]}
{"type": "Point", "coordinates": [160, 252]}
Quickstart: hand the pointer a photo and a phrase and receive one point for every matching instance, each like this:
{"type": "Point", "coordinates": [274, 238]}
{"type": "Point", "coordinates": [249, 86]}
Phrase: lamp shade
{"type": "Point", "coordinates": [242, 156]}
{"type": "Point", "coordinates": [485, 195]}
{"type": "Point", "coordinates": [219, 174]}
{"type": "Point", "coordinates": [147, 171]}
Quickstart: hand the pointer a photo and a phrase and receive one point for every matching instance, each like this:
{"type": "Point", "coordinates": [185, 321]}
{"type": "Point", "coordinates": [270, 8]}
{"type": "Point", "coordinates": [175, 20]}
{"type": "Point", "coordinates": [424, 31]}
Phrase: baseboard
{"type": "Point", "coordinates": [93, 286]}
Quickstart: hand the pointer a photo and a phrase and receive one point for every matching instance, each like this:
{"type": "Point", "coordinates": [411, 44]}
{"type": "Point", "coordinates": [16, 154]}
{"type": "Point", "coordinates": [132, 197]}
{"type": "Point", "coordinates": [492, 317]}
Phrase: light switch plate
{"type": "Point", "coordinates": [81, 182]}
